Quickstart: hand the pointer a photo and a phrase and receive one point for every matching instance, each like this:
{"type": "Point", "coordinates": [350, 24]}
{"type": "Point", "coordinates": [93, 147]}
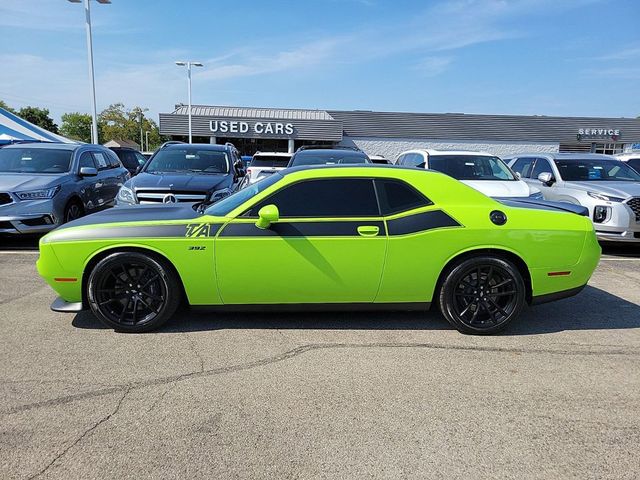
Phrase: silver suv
{"type": "Point", "coordinates": [606, 186]}
{"type": "Point", "coordinates": [43, 185]}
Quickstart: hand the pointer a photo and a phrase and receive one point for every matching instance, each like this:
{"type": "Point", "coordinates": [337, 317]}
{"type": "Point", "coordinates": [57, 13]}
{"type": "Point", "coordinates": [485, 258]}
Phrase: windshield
{"type": "Point", "coordinates": [332, 157]}
{"type": "Point", "coordinates": [189, 159]}
{"type": "Point", "coordinates": [471, 167]}
{"type": "Point", "coordinates": [226, 205]}
{"type": "Point", "coordinates": [35, 160]}
{"type": "Point", "coordinates": [270, 161]}
{"type": "Point", "coordinates": [592, 170]}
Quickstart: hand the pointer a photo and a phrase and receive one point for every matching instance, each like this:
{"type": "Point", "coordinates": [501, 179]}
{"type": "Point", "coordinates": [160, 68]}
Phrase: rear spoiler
{"type": "Point", "coordinates": [544, 205]}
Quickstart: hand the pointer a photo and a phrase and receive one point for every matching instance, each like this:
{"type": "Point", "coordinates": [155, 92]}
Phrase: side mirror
{"type": "Point", "coordinates": [267, 215]}
{"type": "Point", "coordinates": [518, 176]}
{"type": "Point", "coordinates": [546, 178]}
{"type": "Point", "coordinates": [88, 172]}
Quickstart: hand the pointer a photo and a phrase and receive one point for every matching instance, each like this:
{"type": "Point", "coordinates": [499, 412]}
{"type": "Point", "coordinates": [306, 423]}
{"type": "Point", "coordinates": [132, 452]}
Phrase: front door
{"type": "Point", "coordinates": [328, 247]}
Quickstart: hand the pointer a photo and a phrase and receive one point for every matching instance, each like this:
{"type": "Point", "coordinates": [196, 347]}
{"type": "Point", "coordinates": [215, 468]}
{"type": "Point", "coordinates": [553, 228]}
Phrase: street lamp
{"type": "Point", "coordinates": [189, 64]}
{"type": "Point", "coordinates": [94, 114]}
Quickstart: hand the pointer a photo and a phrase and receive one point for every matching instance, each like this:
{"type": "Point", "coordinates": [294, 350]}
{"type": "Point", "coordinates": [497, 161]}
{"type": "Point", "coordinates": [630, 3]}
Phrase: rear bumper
{"type": "Point", "coordinates": [552, 297]}
{"type": "Point", "coordinates": [60, 305]}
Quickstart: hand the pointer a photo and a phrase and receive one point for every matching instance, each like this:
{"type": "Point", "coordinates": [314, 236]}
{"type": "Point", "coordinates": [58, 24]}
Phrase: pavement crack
{"type": "Point", "coordinates": [83, 435]}
{"type": "Point", "coordinates": [302, 349]}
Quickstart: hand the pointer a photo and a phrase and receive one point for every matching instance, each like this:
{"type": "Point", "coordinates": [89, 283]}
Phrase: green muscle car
{"type": "Point", "coordinates": [331, 237]}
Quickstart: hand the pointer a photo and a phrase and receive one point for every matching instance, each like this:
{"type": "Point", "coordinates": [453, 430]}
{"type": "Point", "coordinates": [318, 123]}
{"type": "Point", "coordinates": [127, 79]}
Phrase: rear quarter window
{"type": "Point", "coordinates": [396, 196]}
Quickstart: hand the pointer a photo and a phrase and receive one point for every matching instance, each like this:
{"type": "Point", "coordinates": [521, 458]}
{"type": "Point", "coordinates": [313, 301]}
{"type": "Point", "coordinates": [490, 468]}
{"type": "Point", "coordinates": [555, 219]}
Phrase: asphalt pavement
{"type": "Point", "coordinates": [336, 395]}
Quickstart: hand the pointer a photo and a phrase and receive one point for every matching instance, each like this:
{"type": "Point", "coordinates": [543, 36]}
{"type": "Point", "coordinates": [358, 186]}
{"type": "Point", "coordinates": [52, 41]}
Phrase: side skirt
{"type": "Point", "coordinates": [317, 307]}
{"type": "Point", "coordinates": [552, 297]}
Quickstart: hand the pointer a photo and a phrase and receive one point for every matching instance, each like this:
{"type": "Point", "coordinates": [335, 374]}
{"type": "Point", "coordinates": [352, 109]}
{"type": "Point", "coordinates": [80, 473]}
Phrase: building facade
{"type": "Point", "coordinates": [389, 133]}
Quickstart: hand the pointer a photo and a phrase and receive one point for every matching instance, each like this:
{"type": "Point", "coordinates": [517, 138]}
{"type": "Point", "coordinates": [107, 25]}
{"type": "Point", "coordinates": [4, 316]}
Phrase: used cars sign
{"type": "Point", "coordinates": [258, 128]}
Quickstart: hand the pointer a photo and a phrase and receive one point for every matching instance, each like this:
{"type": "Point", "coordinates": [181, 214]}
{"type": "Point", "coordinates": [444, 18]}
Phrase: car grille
{"type": "Point", "coordinates": [158, 196]}
{"type": "Point", "coordinates": [634, 204]}
{"type": "Point", "coordinates": [5, 198]}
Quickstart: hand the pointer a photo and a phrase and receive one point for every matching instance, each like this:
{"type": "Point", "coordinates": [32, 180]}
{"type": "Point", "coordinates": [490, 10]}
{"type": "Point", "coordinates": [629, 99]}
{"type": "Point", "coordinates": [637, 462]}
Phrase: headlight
{"type": "Point", "coordinates": [606, 198]}
{"type": "Point", "coordinates": [125, 195]}
{"type": "Point", "coordinates": [38, 194]}
{"type": "Point", "coordinates": [536, 196]}
{"type": "Point", "coordinates": [220, 194]}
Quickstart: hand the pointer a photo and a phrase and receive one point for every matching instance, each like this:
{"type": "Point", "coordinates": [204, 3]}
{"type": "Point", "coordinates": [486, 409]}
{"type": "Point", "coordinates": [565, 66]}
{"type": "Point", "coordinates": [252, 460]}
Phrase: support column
{"type": "Point", "coordinates": [292, 145]}
{"type": "Point", "coordinates": [212, 140]}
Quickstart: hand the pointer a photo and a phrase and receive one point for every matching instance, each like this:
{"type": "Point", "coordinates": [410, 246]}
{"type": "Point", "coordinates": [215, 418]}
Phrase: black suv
{"type": "Point", "coordinates": [327, 155]}
{"type": "Point", "coordinates": [132, 159]}
{"type": "Point", "coordinates": [182, 172]}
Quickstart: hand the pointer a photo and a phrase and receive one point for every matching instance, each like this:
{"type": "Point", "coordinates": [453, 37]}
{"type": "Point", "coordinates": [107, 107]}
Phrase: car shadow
{"type": "Point", "coordinates": [621, 250]}
{"type": "Point", "coordinates": [593, 309]}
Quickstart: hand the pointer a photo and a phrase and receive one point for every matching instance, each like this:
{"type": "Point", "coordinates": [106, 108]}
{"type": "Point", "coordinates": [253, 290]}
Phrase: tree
{"type": "Point", "coordinates": [77, 126]}
{"type": "Point", "coordinates": [7, 107]}
{"type": "Point", "coordinates": [39, 117]}
{"type": "Point", "coordinates": [118, 123]}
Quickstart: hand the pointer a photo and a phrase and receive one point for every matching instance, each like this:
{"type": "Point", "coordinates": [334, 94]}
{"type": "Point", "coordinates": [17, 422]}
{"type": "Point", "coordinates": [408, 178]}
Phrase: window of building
{"type": "Point", "coordinates": [397, 196]}
{"type": "Point", "coordinates": [339, 197]}
{"type": "Point", "coordinates": [607, 148]}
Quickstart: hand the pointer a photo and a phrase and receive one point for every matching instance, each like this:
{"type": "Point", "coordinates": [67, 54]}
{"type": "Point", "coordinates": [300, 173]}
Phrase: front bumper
{"type": "Point", "coordinates": [30, 216]}
{"type": "Point", "coordinates": [626, 236]}
{"type": "Point", "coordinates": [61, 305]}
{"type": "Point", "coordinates": [620, 226]}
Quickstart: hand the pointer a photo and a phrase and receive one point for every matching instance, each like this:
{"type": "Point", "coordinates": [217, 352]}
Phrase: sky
{"type": "Point", "coordinates": [530, 57]}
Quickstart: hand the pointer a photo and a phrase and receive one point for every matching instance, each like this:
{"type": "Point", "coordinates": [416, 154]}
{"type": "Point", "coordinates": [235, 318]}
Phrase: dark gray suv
{"type": "Point", "coordinates": [43, 185]}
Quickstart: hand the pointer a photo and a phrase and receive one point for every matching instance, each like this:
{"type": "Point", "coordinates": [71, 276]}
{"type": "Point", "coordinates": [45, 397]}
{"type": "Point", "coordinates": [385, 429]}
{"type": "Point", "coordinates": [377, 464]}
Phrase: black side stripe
{"type": "Point", "coordinates": [420, 222]}
{"type": "Point", "coordinates": [192, 230]}
{"type": "Point", "coordinates": [300, 229]}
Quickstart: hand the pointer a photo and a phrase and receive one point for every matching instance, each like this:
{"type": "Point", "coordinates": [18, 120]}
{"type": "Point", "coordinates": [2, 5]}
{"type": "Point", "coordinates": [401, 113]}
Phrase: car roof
{"type": "Point", "coordinates": [331, 151]}
{"type": "Point", "coordinates": [432, 151]}
{"type": "Point", "coordinates": [368, 166]}
{"type": "Point", "coordinates": [47, 145]}
{"type": "Point", "coordinates": [201, 146]}
{"type": "Point", "coordinates": [273, 154]}
{"type": "Point", "coordinates": [565, 156]}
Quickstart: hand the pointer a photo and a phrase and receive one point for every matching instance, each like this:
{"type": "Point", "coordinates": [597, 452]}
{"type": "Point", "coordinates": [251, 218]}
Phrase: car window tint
{"type": "Point", "coordinates": [101, 161]}
{"type": "Point", "coordinates": [413, 160]}
{"type": "Point", "coordinates": [635, 164]}
{"type": "Point", "coordinates": [112, 158]}
{"type": "Point", "coordinates": [523, 166]}
{"type": "Point", "coordinates": [541, 166]}
{"type": "Point", "coordinates": [340, 197]}
{"type": "Point", "coordinates": [86, 160]}
{"type": "Point", "coordinates": [397, 196]}
{"type": "Point", "coordinates": [139, 159]}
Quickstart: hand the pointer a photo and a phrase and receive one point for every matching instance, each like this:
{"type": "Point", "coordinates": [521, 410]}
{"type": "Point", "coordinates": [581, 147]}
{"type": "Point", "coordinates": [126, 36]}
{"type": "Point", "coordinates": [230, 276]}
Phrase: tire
{"type": "Point", "coordinates": [73, 211]}
{"type": "Point", "coordinates": [482, 295]}
{"type": "Point", "coordinates": [133, 292]}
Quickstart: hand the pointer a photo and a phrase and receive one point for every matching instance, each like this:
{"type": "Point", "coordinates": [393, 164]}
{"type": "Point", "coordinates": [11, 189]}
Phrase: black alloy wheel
{"type": "Point", "coordinates": [73, 211]}
{"type": "Point", "coordinates": [133, 292]}
{"type": "Point", "coordinates": [481, 295]}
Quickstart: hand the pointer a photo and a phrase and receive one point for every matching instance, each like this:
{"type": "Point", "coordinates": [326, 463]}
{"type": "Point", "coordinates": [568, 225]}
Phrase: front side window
{"type": "Point", "coordinates": [471, 167]}
{"type": "Point", "coordinates": [397, 196]}
{"type": "Point", "coordinates": [542, 166]}
{"type": "Point", "coordinates": [86, 160]}
{"type": "Point", "coordinates": [596, 170]}
{"type": "Point", "coordinates": [413, 160]}
{"type": "Point", "coordinates": [523, 166]}
{"type": "Point", "coordinates": [35, 160]}
{"type": "Point", "coordinates": [101, 161]}
{"type": "Point", "coordinates": [225, 206]}
{"type": "Point", "coordinates": [635, 164]}
{"type": "Point", "coordinates": [189, 159]}
{"type": "Point", "coordinates": [336, 197]}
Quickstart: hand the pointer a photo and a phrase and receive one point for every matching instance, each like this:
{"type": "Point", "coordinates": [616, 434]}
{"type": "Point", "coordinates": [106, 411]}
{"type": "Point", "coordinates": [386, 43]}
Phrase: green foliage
{"type": "Point", "coordinates": [77, 126]}
{"type": "Point", "coordinates": [118, 123]}
{"type": "Point", "coordinates": [38, 116]}
{"type": "Point", "coordinates": [7, 107]}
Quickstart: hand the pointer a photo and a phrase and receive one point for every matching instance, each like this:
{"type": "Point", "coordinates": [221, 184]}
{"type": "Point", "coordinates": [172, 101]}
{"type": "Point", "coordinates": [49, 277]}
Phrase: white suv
{"type": "Point", "coordinates": [264, 164]}
{"type": "Point", "coordinates": [482, 171]}
{"type": "Point", "coordinates": [632, 159]}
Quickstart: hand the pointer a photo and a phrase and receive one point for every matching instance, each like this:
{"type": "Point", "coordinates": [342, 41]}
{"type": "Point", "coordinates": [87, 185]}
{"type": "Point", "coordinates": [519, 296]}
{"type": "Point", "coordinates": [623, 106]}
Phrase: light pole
{"type": "Point", "coordinates": [140, 118]}
{"type": "Point", "coordinates": [189, 64]}
{"type": "Point", "coordinates": [94, 113]}
{"type": "Point", "coordinates": [146, 136]}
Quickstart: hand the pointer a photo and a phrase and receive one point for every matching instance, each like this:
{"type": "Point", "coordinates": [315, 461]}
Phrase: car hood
{"type": "Point", "coordinates": [500, 188]}
{"type": "Point", "coordinates": [21, 182]}
{"type": "Point", "coordinates": [612, 188]}
{"type": "Point", "coordinates": [179, 181]}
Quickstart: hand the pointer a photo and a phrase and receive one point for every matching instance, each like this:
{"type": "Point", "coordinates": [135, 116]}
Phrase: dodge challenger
{"type": "Point", "coordinates": [329, 237]}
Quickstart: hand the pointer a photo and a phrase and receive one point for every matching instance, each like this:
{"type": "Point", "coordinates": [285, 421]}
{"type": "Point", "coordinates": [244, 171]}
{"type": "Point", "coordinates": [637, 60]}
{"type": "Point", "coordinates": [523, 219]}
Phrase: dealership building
{"type": "Point", "coordinates": [390, 133]}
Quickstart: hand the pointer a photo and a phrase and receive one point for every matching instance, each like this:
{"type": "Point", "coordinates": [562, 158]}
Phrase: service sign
{"type": "Point", "coordinates": [251, 128]}
{"type": "Point", "coordinates": [598, 133]}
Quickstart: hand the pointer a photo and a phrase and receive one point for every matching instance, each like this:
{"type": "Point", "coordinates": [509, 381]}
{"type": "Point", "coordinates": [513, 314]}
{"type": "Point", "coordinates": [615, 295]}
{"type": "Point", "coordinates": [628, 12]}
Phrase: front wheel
{"type": "Point", "coordinates": [482, 295]}
{"type": "Point", "coordinates": [133, 292]}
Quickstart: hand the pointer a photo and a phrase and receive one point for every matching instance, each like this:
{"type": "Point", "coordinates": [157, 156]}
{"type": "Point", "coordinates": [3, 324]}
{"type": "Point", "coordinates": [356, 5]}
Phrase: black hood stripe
{"type": "Point", "coordinates": [191, 230]}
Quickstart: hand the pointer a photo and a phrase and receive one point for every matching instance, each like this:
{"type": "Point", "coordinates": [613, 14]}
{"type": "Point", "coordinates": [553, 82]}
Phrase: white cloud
{"type": "Point", "coordinates": [433, 66]}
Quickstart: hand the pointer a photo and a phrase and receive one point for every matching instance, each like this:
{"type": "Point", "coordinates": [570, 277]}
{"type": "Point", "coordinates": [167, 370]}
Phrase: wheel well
{"type": "Point", "coordinates": [96, 258]}
{"type": "Point", "coordinates": [494, 252]}
{"type": "Point", "coordinates": [74, 199]}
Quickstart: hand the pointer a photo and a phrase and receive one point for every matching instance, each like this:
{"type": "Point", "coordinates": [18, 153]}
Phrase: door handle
{"type": "Point", "coordinates": [368, 230]}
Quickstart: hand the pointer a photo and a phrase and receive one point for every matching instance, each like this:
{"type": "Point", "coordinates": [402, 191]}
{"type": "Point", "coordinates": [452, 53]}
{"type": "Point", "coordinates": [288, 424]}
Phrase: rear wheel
{"type": "Point", "coordinates": [482, 295]}
{"type": "Point", "coordinates": [133, 292]}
